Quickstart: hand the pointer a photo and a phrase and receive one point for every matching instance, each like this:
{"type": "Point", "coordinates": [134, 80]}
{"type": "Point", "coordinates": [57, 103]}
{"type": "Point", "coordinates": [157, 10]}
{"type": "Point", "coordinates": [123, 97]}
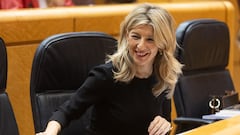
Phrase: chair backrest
{"type": "Point", "coordinates": [61, 64]}
{"type": "Point", "coordinates": [8, 124]}
{"type": "Point", "coordinates": [204, 50]}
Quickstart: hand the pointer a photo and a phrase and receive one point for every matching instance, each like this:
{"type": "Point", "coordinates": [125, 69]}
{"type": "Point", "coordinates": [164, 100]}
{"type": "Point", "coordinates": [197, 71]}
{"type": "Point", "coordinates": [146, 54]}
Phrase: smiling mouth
{"type": "Point", "coordinates": [141, 54]}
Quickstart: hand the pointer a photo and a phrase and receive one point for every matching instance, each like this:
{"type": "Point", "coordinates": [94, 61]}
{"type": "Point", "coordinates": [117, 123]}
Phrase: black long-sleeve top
{"type": "Point", "coordinates": [119, 108]}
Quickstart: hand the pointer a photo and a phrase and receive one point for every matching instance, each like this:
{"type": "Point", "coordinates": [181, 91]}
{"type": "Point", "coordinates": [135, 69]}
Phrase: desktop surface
{"type": "Point", "coordinates": [229, 126]}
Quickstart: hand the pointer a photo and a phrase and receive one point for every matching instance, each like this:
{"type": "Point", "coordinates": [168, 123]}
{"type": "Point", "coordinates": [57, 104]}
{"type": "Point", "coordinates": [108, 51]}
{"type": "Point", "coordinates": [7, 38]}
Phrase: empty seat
{"type": "Point", "coordinates": [204, 51]}
{"type": "Point", "coordinates": [8, 124]}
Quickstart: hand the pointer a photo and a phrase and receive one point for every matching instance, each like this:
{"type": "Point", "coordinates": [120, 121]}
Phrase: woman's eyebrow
{"type": "Point", "coordinates": [133, 32]}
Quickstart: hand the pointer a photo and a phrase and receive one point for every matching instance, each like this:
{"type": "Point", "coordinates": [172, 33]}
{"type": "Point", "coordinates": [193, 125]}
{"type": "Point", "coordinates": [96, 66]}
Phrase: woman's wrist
{"type": "Point", "coordinates": [53, 128]}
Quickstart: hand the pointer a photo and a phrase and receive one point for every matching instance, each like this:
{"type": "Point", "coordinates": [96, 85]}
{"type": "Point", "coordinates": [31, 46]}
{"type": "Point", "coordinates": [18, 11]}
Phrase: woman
{"type": "Point", "coordinates": [131, 92]}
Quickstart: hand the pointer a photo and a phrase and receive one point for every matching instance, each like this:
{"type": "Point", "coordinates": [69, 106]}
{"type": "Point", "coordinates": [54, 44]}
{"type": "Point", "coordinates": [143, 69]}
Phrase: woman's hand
{"type": "Point", "coordinates": [53, 128]}
{"type": "Point", "coordinates": [159, 126]}
{"type": "Point", "coordinates": [41, 133]}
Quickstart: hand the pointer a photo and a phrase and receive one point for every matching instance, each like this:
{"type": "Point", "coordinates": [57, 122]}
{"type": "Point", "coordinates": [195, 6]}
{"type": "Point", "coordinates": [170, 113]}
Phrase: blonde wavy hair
{"type": "Point", "coordinates": [166, 68]}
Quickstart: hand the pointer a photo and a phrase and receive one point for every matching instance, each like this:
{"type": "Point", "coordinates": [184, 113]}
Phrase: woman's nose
{"type": "Point", "coordinates": [141, 44]}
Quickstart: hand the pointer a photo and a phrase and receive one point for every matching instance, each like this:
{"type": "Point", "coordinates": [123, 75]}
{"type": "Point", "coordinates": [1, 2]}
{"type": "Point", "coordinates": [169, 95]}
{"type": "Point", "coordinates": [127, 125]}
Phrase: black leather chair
{"type": "Point", "coordinates": [61, 64]}
{"type": "Point", "coordinates": [204, 51]}
{"type": "Point", "coordinates": [8, 124]}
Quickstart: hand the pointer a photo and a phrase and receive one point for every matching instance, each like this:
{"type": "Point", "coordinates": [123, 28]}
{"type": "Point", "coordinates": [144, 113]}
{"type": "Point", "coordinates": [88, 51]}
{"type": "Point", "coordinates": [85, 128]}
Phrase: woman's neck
{"type": "Point", "coordinates": [144, 72]}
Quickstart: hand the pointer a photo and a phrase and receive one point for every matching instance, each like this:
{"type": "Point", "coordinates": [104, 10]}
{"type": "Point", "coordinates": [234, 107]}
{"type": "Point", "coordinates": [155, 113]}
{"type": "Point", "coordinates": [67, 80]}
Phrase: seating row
{"type": "Point", "coordinates": [203, 74]}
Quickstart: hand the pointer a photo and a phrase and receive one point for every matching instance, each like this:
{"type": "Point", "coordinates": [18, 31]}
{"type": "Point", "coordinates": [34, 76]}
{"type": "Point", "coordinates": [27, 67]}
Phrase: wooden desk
{"type": "Point", "coordinates": [229, 126]}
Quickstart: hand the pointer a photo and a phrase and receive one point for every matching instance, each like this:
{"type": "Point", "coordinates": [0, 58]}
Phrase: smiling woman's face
{"type": "Point", "coordinates": [142, 47]}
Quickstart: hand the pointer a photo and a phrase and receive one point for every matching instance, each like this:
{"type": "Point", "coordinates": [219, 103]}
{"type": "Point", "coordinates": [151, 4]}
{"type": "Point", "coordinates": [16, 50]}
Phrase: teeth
{"type": "Point", "coordinates": [141, 53]}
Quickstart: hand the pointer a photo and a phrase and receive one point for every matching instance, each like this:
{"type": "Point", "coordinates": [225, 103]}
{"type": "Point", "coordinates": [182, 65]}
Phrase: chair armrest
{"type": "Point", "coordinates": [187, 123]}
{"type": "Point", "coordinates": [191, 121]}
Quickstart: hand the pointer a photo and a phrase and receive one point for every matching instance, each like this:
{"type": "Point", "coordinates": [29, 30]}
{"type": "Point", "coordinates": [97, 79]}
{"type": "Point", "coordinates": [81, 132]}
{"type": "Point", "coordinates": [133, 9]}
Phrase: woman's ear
{"type": "Point", "coordinates": [160, 52]}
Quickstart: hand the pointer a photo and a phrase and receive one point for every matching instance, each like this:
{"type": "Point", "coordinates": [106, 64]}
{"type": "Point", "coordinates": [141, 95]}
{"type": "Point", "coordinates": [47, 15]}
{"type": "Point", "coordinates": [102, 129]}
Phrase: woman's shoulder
{"type": "Point", "coordinates": [105, 69]}
{"type": "Point", "coordinates": [106, 66]}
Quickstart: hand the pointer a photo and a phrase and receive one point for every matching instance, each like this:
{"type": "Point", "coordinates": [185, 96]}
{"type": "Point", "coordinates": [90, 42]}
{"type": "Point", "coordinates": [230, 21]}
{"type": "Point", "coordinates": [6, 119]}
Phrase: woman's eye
{"type": "Point", "coordinates": [135, 37]}
{"type": "Point", "coordinates": [150, 39]}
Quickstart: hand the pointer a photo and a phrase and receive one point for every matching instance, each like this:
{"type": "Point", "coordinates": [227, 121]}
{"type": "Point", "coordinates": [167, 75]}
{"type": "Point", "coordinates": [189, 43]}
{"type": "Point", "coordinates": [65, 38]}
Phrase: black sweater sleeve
{"type": "Point", "coordinates": [91, 92]}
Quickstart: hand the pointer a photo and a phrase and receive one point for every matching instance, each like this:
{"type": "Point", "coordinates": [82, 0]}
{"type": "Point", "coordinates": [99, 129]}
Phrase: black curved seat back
{"type": "Point", "coordinates": [8, 124]}
{"type": "Point", "coordinates": [204, 50]}
{"type": "Point", "coordinates": [61, 64]}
